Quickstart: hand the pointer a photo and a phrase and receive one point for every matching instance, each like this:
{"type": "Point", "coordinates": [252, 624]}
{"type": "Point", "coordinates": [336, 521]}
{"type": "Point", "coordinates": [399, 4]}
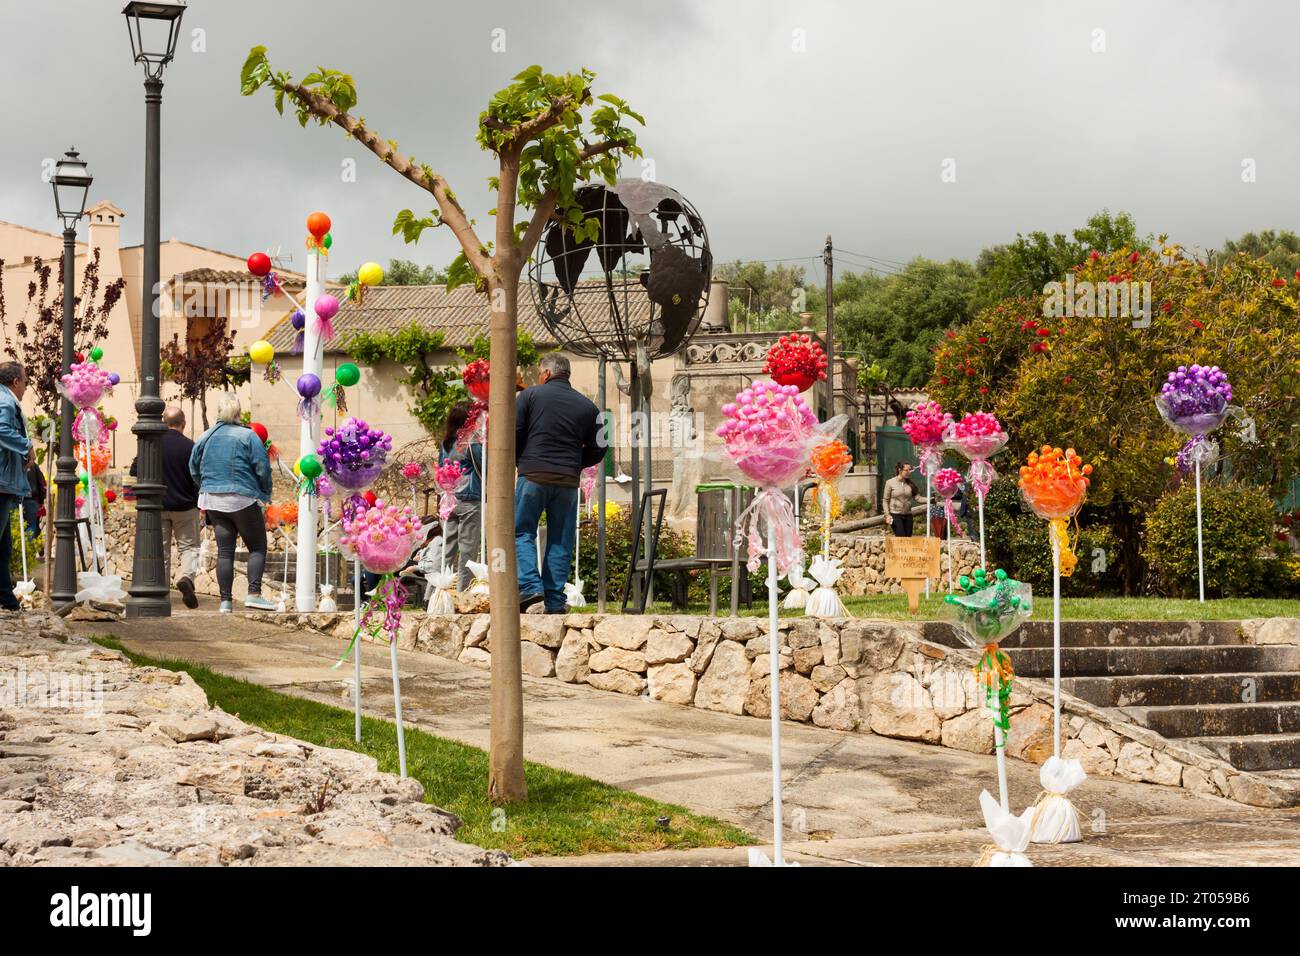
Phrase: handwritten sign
{"type": "Point", "coordinates": [911, 561]}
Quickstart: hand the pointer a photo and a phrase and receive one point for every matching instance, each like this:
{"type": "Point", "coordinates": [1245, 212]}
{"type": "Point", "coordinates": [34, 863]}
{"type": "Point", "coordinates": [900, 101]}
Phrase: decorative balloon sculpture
{"type": "Point", "coordinates": [978, 437]}
{"type": "Point", "coordinates": [796, 359]}
{"type": "Point", "coordinates": [1054, 484]}
{"type": "Point", "coordinates": [926, 426]}
{"type": "Point", "coordinates": [948, 482]}
{"type": "Point", "coordinates": [989, 610]}
{"type": "Point", "coordinates": [383, 538]}
{"type": "Point", "coordinates": [1195, 400]}
{"type": "Point", "coordinates": [769, 432]}
{"type": "Point", "coordinates": [587, 478]}
{"type": "Point", "coordinates": [830, 460]}
{"type": "Point", "coordinates": [477, 379]}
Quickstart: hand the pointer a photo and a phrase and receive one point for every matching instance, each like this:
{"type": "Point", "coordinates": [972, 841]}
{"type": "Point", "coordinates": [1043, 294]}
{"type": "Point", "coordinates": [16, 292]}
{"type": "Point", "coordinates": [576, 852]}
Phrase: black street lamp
{"type": "Point", "coordinates": [71, 183]}
{"type": "Point", "coordinates": [154, 28]}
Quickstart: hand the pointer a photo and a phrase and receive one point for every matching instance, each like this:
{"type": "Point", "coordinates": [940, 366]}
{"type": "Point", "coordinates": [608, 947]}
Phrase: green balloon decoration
{"type": "Point", "coordinates": [96, 354]}
{"type": "Point", "coordinates": [310, 466]}
{"type": "Point", "coordinates": [328, 240]}
{"type": "Point", "coordinates": [990, 606]}
{"type": "Point", "coordinates": [347, 374]}
{"type": "Point", "coordinates": [84, 480]}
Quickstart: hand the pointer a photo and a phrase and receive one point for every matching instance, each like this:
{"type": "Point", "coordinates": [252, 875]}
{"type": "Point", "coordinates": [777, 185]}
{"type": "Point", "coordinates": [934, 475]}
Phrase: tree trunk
{"type": "Point", "coordinates": [506, 781]}
{"type": "Point", "coordinates": [1126, 530]}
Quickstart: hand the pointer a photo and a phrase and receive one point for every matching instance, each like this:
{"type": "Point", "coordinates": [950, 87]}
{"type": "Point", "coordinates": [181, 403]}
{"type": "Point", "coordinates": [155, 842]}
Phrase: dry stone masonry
{"type": "Point", "coordinates": [877, 677]}
{"type": "Point", "coordinates": [103, 763]}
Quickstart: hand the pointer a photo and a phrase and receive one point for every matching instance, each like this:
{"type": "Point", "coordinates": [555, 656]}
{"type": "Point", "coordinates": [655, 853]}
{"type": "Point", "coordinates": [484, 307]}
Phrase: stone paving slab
{"type": "Point", "coordinates": [867, 800]}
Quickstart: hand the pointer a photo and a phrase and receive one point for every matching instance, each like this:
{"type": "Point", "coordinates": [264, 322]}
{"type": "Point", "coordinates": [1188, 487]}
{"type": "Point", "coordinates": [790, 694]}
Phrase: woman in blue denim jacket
{"type": "Point", "coordinates": [15, 456]}
{"type": "Point", "coordinates": [233, 474]}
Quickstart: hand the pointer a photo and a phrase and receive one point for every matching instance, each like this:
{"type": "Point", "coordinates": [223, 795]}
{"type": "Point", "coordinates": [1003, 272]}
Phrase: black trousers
{"type": "Point", "coordinates": [248, 524]}
{"type": "Point", "coordinates": [902, 525]}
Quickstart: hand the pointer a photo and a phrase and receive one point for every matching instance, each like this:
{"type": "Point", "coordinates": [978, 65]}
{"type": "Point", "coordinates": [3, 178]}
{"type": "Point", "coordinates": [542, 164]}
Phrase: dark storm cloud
{"type": "Point", "coordinates": [777, 146]}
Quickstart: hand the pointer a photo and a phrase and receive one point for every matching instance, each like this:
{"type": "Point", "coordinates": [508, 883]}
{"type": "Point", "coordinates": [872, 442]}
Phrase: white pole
{"type": "Point", "coordinates": [313, 354]}
{"type": "Point", "coordinates": [774, 654]}
{"type": "Point", "coordinates": [980, 495]}
{"type": "Point", "coordinates": [356, 650]}
{"type": "Point", "coordinates": [397, 707]}
{"type": "Point", "coordinates": [948, 525]}
{"type": "Point", "coordinates": [927, 526]}
{"type": "Point", "coordinates": [90, 510]}
{"type": "Point", "coordinates": [1200, 545]}
{"type": "Point", "coordinates": [826, 523]}
{"type": "Point", "coordinates": [22, 538]}
{"type": "Point", "coordinates": [482, 498]}
{"type": "Point", "coordinates": [999, 746]}
{"type": "Point", "coordinates": [1056, 643]}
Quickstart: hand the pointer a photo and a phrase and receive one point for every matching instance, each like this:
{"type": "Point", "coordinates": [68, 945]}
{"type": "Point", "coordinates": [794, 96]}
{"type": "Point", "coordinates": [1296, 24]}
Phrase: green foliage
{"type": "Point", "coordinates": [404, 272]}
{"type": "Point", "coordinates": [1022, 267]}
{"type": "Point", "coordinates": [895, 320]}
{"type": "Point", "coordinates": [1237, 531]}
{"type": "Point", "coordinates": [763, 298]}
{"type": "Point", "coordinates": [1280, 249]}
{"type": "Point", "coordinates": [435, 388]}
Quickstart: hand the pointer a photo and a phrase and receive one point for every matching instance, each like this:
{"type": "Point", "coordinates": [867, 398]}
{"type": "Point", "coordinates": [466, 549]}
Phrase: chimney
{"type": "Point", "coordinates": [716, 316]}
{"type": "Point", "coordinates": [105, 234]}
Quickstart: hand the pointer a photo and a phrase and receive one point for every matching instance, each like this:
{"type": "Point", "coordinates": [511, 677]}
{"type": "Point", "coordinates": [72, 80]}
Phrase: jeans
{"type": "Point", "coordinates": [560, 504]}
{"type": "Point", "coordinates": [902, 525]}
{"type": "Point", "coordinates": [7, 599]}
{"type": "Point", "coordinates": [250, 525]}
{"type": "Point", "coordinates": [183, 527]}
{"type": "Point", "coordinates": [31, 509]}
{"type": "Point", "coordinates": [461, 540]}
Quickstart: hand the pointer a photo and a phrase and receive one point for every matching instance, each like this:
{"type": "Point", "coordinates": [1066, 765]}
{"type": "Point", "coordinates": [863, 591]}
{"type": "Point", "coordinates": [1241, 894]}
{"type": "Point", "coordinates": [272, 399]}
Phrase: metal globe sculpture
{"type": "Point", "coordinates": [639, 289]}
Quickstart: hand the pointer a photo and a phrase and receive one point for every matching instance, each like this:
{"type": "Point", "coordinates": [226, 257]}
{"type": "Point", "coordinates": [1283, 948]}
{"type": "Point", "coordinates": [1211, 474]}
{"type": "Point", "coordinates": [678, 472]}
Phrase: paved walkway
{"type": "Point", "coordinates": [850, 799]}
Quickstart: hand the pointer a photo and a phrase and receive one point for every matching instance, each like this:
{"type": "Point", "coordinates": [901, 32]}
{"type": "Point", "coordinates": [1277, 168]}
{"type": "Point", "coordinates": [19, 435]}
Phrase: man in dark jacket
{"type": "Point", "coordinates": [557, 434]}
{"type": "Point", "coordinates": [180, 514]}
{"type": "Point", "coordinates": [15, 456]}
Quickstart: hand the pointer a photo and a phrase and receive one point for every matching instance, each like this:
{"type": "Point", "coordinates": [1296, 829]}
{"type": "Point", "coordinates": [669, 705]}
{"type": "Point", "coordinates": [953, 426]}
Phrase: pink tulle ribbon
{"type": "Point", "coordinates": [981, 475]}
{"type": "Point", "coordinates": [89, 425]}
{"type": "Point", "coordinates": [446, 504]}
{"type": "Point", "coordinates": [770, 509]}
{"type": "Point", "coordinates": [929, 458]}
{"type": "Point", "coordinates": [324, 328]}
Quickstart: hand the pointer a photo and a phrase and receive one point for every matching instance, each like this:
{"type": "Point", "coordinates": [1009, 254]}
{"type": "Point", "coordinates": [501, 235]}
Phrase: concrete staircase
{"type": "Point", "coordinates": [1197, 682]}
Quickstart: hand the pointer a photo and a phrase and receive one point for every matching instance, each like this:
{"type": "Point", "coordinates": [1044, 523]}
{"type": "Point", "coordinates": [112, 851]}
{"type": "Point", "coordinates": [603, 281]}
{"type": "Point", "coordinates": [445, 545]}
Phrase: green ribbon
{"type": "Point", "coordinates": [376, 601]}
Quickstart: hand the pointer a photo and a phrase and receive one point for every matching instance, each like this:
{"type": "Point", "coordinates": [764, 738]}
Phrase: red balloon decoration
{"type": "Point", "coordinates": [796, 360]}
{"type": "Point", "coordinates": [260, 431]}
{"type": "Point", "coordinates": [371, 498]}
{"type": "Point", "coordinates": [110, 496]}
{"type": "Point", "coordinates": [259, 263]}
{"type": "Point", "coordinates": [475, 377]}
{"type": "Point", "coordinates": [318, 224]}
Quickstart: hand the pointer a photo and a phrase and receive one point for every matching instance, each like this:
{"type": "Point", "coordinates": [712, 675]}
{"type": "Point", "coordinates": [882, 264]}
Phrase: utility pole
{"type": "Point", "coordinates": [828, 258]}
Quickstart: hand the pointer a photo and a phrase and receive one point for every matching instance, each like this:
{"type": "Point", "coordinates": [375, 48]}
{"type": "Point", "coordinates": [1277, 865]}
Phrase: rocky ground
{"type": "Point", "coordinates": [103, 763]}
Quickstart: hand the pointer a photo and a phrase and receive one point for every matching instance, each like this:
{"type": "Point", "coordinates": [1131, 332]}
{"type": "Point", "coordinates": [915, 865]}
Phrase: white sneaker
{"type": "Point", "coordinates": [258, 603]}
{"type": "Point", "coordinates": [225, 608]}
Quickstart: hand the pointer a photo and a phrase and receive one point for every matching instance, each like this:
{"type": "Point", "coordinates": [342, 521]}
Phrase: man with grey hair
{"type": "Point", "coordinates": [557, 434]}
{"type": "Point", "coordinates": [16, 453]}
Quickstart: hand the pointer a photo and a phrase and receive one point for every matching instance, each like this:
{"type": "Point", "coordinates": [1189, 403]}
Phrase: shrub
{"type": "Point", "coordinates": [1238, 529]}
{"type": "Point", "coordinates": [35, 550]}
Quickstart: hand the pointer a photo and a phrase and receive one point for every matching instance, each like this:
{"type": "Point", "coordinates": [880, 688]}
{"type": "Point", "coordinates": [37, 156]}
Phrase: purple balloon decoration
{"type": "Point", "coordinates": [114, 378]}
{"type": "Point", "coordinates": [298, 319]}
{"type": "Point", "coordinates": [308, 385]}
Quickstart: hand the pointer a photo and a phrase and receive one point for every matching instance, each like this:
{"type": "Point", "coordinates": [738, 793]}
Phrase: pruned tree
{"type": "Point", "coordinates": [545, 146]}
{"type": "Point", "coordinates": [35, 339]}
{"type": "Point", "coordinates": [201, 363]}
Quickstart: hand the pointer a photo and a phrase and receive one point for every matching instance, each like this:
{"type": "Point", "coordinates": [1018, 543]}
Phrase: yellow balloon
{"type": "Point", "coordinates": [297, 470]}
{"type": "Point", "coordinates": [261, 352]}
{"type": "Point", "coordinates": [372, 273]}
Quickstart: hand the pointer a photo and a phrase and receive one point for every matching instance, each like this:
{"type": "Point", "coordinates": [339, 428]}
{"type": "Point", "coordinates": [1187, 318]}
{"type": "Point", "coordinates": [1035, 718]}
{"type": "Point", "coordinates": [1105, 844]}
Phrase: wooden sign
{"type": "Point", "coordinates": [912, 561]}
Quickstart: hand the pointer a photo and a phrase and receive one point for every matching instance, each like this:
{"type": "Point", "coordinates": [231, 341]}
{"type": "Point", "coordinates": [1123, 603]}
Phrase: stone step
{"type": "Point", "coordinates": [1219, 720]}
{"type": "Point", "coordinates": [1152, 690]}
{"type": "Point", "coordinates": [1107, 634]}
{"type": "Point", "coordinates": [1255, 752]}
{"type": "Point", "coordinates": [1121, 661]}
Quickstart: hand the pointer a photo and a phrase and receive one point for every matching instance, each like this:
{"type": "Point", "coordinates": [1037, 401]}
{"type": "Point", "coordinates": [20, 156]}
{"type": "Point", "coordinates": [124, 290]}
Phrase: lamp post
{"type": "Point", "coordinates": [71, 182]}
{"type": "Point", "coordinates": [153, 28]}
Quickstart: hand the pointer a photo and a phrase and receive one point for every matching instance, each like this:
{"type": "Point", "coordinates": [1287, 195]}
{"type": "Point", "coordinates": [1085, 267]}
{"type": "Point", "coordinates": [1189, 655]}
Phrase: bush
{"type": "Point", "coordinates": [1238, 530]}
{"type": "Point", "coordinates": [35, 550]}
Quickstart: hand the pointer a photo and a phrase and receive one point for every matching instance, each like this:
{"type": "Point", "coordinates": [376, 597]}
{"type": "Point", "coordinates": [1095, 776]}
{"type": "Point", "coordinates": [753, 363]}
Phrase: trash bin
{"type": "Point", "coordinates": [716, 512]}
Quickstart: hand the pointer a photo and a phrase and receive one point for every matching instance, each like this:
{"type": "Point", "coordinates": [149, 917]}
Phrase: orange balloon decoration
{"type": "Point", "coordinates": [100, 458]}
{"type": "Point", "coordinates": [830, 460]}
{"type": "Point", "coordinates": [1054, 484]}
{"type": "Point", "coordinates": [277, 515]}
{"type": "Point", "coordinates": [318, 224]}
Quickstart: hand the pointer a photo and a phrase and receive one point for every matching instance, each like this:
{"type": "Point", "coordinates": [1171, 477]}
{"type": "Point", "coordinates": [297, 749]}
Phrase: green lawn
{"type": "Point", "coordinates": [565, 814]}
{"type": "Point", "coordinates": [894, 607]}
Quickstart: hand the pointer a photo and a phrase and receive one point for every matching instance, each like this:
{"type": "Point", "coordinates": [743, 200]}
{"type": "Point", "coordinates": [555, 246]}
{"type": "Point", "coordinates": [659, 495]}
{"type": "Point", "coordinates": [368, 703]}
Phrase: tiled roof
{"type": "Point", "coordinates": [461, 314]}
{"type": "Point", "coordinates": [290, 280]}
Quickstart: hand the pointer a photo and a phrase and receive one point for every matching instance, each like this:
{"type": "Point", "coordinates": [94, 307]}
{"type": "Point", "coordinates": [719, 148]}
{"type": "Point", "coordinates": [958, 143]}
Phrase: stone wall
{"type": "Point", "coordinates": [858, 676]}
{"type": "Point", "coordinates": [863, 557]}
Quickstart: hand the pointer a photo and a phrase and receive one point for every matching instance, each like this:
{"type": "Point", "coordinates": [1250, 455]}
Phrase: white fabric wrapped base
{"type": "Point", "coordinates": [106, 588]}
{"type": "Point", "coordinates": [327, 604]}
{"type": "Point", "coordinates": [824, 602]}
{"type": "Point", "coordinates": [25, 592]}
{"type": "Point", "coordinates": [1010, 835]}
{"type": "Point", "coordinates": [759, 858]}
{"type": "Point", "coordinates": [573, 596]}
{"type": "Point", "coordinates": [1053, 818]}
{"type": "Point", "coordinates": [282, 605]}
{"type": "Point", "coordinates": [800, 584]}
{"type": "Point", "coordinates": [440, 599]}
{"type": "Point", "coordinates": [480, 583]}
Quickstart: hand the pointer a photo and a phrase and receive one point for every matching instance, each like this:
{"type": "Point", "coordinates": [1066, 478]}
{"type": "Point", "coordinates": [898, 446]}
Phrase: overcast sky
{"type": "Point", "coordinates": [781, 121]}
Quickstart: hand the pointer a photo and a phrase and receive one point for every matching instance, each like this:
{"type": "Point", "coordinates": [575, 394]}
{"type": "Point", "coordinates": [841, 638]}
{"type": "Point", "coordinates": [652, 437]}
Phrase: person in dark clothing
{"type": "Point", "coordinates": [16, 455]}
{"type": "Point", "coordinates": [557, 434]}
{"type": "Point", "coordinates": [180, 514]}
{"type": "Point", "coordinates": [461, 529]}
{"type": "Point", "coordinates": [35, 500]}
